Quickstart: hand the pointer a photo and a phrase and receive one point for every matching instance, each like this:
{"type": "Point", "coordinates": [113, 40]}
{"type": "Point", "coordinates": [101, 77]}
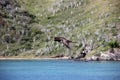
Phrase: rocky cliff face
{"type": "Point", "coordinates": [31, 25]}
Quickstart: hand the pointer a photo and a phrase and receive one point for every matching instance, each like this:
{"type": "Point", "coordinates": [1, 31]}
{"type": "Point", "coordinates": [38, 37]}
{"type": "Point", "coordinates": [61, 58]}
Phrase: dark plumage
{"type": "Point", "coordinates": [64, 41]}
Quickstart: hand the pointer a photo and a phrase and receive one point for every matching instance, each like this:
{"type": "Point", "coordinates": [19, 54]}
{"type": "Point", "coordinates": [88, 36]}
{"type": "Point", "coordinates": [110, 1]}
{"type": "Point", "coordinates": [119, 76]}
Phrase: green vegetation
{"type": "Point", "coordinates": [31, 25]}
{"type": "Point", "coordinates": [114, 44]}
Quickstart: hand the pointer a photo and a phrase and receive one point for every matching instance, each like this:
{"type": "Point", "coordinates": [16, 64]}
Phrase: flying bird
{"type": "Point", "coordinates": [64, 41]}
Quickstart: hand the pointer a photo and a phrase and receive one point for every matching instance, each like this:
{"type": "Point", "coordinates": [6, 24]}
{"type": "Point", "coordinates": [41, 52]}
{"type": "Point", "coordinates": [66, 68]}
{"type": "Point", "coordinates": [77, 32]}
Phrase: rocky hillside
{"type": "Point", "coordinates": [16, 30]}
{"type": "Point", "coordinates": [28, 27]}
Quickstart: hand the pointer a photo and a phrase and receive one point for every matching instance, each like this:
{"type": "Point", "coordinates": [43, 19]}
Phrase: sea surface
{"type": "Point", "coordinates": [58, 70]}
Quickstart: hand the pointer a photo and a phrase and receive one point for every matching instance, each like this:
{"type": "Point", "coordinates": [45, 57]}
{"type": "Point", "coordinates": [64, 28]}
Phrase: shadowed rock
{"type": "Point", "coordinates": [82, 55]}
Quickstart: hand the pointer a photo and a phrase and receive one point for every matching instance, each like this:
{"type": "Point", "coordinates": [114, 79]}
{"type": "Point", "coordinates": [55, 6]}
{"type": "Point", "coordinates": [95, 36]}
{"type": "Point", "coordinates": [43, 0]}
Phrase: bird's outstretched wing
{"type": "Point", "coordinates": [67, 45]}
{"type": "Point", "coordinates": [64, 41]}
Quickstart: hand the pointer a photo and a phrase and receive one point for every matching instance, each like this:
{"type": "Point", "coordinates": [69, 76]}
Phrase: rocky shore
{"type": "Point", "coordinates": [110, 55]}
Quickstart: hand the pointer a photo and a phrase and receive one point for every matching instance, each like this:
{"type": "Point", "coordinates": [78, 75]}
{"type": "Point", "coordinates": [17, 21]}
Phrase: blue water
{"type": "Point", "coordinates": [58, 70]}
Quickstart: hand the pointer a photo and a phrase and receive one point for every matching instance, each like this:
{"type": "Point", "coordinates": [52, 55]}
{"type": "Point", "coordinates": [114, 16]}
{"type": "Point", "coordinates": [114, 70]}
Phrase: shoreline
{"type": "Point", "coordinates": [64, 58]}
{"type": "Point", "coordinates": [49, 58]}
{"type": "Point", "coordinates": [45, 58]}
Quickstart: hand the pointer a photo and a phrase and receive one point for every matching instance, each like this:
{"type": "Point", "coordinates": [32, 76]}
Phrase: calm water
{"type": "Point", "coordinates": [58, 70]}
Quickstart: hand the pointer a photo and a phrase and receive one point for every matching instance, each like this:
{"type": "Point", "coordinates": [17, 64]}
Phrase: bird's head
{"type": "Point", "coordinates": [57, 39]}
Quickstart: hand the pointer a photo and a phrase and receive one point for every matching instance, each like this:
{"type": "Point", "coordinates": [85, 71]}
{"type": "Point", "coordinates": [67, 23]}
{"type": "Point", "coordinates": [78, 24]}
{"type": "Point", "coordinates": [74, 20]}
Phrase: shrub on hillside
{"type": "Point", "coordinates": [114, 44]}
